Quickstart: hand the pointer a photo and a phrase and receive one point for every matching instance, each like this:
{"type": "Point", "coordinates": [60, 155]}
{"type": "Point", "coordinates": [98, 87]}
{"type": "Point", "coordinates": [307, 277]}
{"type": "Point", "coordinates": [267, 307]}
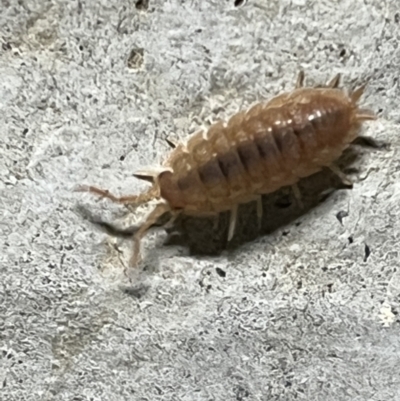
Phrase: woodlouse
{"type": "Point", "coordinates": [258, 151]}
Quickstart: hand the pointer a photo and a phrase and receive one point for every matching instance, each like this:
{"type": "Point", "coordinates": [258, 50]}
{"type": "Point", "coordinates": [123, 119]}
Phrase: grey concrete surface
{"type": "Point", "coordinates": [307, 310]}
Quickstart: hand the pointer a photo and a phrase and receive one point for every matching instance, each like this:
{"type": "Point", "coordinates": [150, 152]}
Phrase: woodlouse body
{"type": "Point", "coordinates": [258, 151]}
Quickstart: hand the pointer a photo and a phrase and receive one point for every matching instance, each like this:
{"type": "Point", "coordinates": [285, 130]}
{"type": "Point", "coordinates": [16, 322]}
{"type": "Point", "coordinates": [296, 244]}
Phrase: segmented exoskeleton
{"type": "Point", "coordinates": [258, 151]}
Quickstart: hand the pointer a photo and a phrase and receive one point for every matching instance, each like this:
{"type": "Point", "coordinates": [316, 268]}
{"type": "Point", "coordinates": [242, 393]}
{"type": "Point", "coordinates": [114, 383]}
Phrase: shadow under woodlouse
{"type": "Point", "coordinates": [280, 208]}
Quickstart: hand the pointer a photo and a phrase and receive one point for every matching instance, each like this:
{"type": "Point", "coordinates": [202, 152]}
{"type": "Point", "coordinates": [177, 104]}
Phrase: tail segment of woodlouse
{"type": "Point", "coordinates": [361, 114]}
{"type": "Point", "coordinates": [258, 151]}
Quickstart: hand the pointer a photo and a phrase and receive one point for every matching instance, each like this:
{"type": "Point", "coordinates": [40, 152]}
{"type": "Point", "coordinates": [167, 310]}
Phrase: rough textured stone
{"type": "Point", "coordinates": [89, 90]}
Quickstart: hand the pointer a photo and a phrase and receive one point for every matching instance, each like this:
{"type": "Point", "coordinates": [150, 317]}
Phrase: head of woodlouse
{"type": "Point", "coordinates": [163, 186]}
{"type": "Point", "coordinates": [169, 190]}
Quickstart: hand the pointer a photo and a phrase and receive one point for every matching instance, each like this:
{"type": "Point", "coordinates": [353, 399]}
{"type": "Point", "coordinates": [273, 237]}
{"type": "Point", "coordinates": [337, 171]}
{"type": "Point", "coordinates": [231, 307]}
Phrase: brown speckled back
{"type": "Point", "coordinates": [256, 152]}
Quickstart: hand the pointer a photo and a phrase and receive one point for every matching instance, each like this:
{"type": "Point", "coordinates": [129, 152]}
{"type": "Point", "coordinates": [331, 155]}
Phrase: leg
{"type": "Point", "coordinates": [365, 114]}
{"type": "Point", "coordinates": [137, 199]}
{"type": "Point", "coordinates": [334, 82]}
{"type": "Point", "coordinates": [171, 144]}
{"type": "Point", "coordinates": [341, 175]}
{"type": "Point", "coordinates": [232, 222]}
{"type": "Point", "coordinates": [300, 80]}
{"type": "Point", "coordinates": [159, 210]}
{"type": "Point", "coordinates": [297, 195]}
{"type": "Point", "coordinates": [355, 96]}
{"type": "Point", "coordinates": [171, 221]}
